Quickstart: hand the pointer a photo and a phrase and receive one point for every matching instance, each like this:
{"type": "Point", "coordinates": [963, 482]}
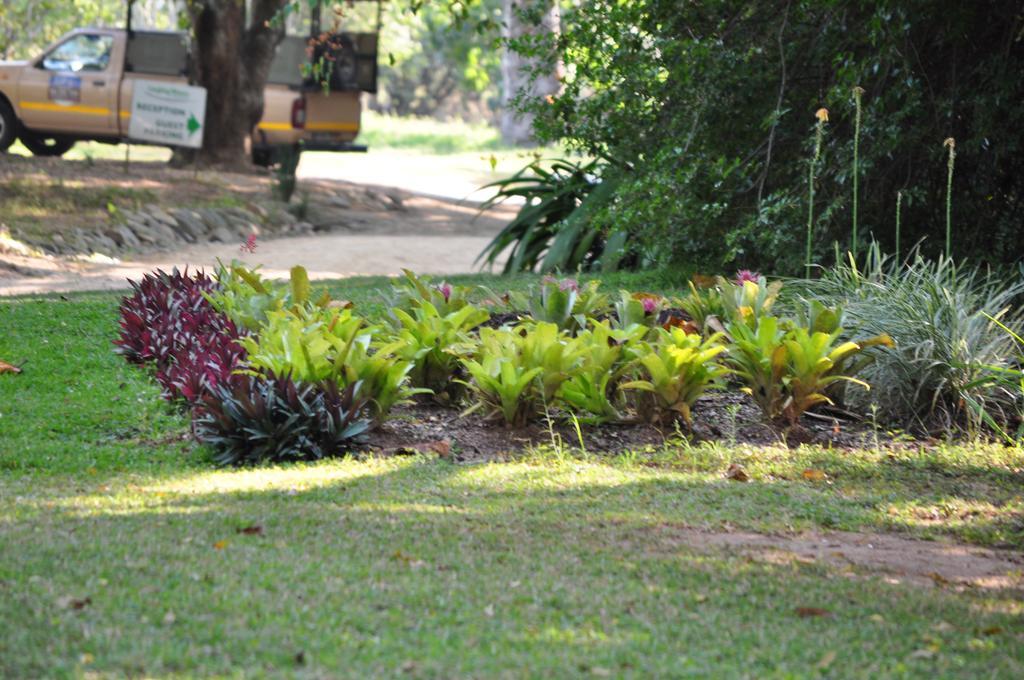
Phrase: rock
{"type": "Point", "coordinates": [127, 237]}
{"type": "Point", "coordinates": [161, 216]}
{"type": "Point", "coordinates": [223, 235]}
{"type": "Point", "coordinates": [115, 236]}
{"type": "Point", "coordinates": [190, 225]}
{"type": "Point", "coordinates": [142, 232]}
{"type": "Point", "coordinates": [303, 228]}
{"type": "Point", "coordinates": [339, 201]}
{"type": "Point", "coordinates": [98, 243]}
{"type": "Point", "coordinates": [213, 220]}
{"type": "Point", "coordinates": [259, 210]}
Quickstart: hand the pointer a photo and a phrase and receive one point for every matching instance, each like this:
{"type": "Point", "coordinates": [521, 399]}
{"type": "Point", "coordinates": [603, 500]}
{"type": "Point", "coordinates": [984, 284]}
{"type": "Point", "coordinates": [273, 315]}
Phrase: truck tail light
{"type": "Point", "coordinates": [299, 113]}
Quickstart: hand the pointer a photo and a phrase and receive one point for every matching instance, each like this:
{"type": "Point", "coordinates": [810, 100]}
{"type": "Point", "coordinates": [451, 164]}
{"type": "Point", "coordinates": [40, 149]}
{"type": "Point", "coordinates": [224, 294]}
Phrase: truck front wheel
{"type": "Point", "coordinates": [42, 145]}
{"type": "Point", "coordinates": [8, 126]}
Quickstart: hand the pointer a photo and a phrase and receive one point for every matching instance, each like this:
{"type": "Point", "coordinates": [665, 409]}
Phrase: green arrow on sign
{"type": "Point", "coordinates": [193, 124]}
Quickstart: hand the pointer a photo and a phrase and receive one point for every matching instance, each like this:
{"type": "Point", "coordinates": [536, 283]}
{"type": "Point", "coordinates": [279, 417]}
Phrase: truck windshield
{"type": "Point", "coordinates": [83, 52]}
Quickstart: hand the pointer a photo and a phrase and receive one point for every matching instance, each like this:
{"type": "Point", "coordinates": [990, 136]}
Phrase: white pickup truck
{"type": "Point", "coordinates": [80, 88]}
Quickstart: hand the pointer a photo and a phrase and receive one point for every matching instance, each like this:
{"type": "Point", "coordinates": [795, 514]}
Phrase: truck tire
{"type": "Point", "coordinates": [8, 126]}
{"type": "Point", "coordinates": [42, 145]}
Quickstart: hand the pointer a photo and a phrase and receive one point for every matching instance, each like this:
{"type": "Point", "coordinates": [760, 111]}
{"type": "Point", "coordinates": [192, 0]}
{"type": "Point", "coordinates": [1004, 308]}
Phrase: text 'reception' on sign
{"type": "Point", "coordinates": [167, 113]}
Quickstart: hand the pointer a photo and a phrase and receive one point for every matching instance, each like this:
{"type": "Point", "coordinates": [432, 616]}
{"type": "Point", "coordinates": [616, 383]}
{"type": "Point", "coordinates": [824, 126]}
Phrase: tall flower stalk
{"type": "Point", "coordinates": [819, 134]}
{"type": "Point", "coordinates": [857, 94]}
{"type": "Point", "coordinates": [899, 205]}
{"type": "Point", "coordinates": [950, 144]}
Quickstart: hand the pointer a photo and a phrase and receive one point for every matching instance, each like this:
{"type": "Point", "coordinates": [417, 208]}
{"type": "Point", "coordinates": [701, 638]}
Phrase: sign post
{"type": "Point", "coordinates": [167, 113]}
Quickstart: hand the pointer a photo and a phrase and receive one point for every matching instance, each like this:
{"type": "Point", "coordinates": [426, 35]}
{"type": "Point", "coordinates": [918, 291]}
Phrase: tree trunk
{"type": "Point", "coordinates": [516, 126]}
{"type": "Point", "coordinates": [232, 61]}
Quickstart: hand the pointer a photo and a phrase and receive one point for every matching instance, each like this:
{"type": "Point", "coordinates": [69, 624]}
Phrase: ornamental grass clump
{"type": "Point", "coordinates": [945, 320]}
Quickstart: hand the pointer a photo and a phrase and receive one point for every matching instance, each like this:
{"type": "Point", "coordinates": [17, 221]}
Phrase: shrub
{"type": "Point", "coordinates": [606, 354]}
{"type": "Point", "coordinates": [162, 312]}
{"type": "Point", "coordinates": [554, 229]}
{"type": "Point", "coordinates": [415, 291]}
{"type": "Point", "coordinates": [252, 419]}
{"type": "Point", "coordinates": [945, 320]}
{"type": "Point", "coordinates": [247, 298]}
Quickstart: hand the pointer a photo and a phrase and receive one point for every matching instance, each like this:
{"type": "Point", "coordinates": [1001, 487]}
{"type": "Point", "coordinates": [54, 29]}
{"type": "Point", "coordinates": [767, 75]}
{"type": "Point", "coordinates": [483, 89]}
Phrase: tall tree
{"type": "Point", "coordinates": [528, 72]}
{"type": "Point", "coordinates": [232, 60]}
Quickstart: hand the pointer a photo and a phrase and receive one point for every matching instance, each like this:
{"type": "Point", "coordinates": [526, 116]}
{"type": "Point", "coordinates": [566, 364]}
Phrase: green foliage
{"type": "Point", "coordinates": [436, 62]}
{"type": "Point", "coordinates": [331, 346]}
{"type": "Point", "coordinates": [416, 291]}
{"type": "Point", "coordinates": [643, 309]}
{"type": "Point", "coordinates": [787, 370]}
{"type": "Point", "coordinates": [253, 420]}
{"type": "Point", "coordinates": [707, 109]}
{"type": "Point", "coordinates": [247, 298]}
{"type": "Point", "coordinates": [606, 354]}
{"type": "Point", "coordinates": [518, 371]}
{"type": "Point", "coordinates": [945, 322]}
{"type": "Point", "coordinates": [678, 368]}
{"type": "Point", "coordinates": [563, 302]}
{"type": "Point", "coordinates": [434, 345]}
{"type": "Point", "coordinates": [748, 301]}
{"type": "Point", "coordinates": [554, 231]}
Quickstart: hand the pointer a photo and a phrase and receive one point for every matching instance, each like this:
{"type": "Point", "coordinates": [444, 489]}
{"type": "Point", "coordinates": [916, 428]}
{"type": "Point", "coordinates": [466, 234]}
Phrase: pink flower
{"type": "Point", "coordinates": [446, 290]}
{"type": "Point", "coordinates": [563, 285]}
{"type": "Point", "coordinates": [249, 246]}
{"type": "Point", "coordinates": [650, 304]}
{"type": "Point", "coordinates": [744, 275]}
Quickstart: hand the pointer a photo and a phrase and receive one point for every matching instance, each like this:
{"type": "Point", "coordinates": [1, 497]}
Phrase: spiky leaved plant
{"type": "Point", "coordinates": [259, 419]}
{"type": "Point", "coordinates": [819, 134]}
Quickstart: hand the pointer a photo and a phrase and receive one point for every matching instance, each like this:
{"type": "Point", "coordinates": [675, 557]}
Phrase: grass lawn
{"type": "Point", "coordinates": [124, 552]}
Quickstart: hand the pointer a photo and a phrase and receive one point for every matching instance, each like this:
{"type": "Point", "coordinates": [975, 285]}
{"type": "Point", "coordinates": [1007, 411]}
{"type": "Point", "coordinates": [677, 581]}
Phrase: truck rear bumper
{"type": "Point", "coordinates": [323, 145]}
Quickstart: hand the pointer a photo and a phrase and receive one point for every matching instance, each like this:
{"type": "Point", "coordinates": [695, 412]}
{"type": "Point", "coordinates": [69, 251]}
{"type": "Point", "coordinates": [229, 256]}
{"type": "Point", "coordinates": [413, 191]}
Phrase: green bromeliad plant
{"type": "Point", "coordinates": [247, 298]}
{"type": "Point", "coordinates": [788, 368]}
{"type": "Point", "coordinates": [677, 369]}
{"type": "Point", "coordinates": [607, 353]}
{"type": "Point", "coordinates": [517, 372]}
{"type": "Point", "coordinates": [332, 345]}
{"type": "Point", "coordinates": [434, 345]}
{"type": "Point", "coordinates": [413, 291]}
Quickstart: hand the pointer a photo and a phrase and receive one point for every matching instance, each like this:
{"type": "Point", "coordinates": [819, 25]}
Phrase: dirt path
{"type": "Point", "coordinates": [896, 558]}
{"type": "Point", "coordinates": [429, 234]}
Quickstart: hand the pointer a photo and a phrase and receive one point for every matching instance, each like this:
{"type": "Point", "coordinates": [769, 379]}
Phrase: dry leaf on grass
{"type": "Point", "coordinates": [8, 368]}
{"type": "Point", "coordinates": [254, 530]}
{"type": "Point", "coordinates": [811, 612]}
{"type": "Point", "coordinates": [736, 473]}
{"type": "Point", "coordinates": [813, 475]}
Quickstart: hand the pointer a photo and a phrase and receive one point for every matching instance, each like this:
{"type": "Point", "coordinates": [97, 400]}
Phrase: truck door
{"type": "Point", "coordinates": [71, 87]}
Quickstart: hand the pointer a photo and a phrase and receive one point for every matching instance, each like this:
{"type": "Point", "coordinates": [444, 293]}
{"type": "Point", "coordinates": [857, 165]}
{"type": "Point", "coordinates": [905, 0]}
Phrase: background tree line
{"type": "Point", "coordinates": [705, 111]}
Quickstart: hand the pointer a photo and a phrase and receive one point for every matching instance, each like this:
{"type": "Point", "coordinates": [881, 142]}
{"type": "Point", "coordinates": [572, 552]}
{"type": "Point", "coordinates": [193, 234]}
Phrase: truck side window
{"type": "Point", "coordinates": [84, 52]}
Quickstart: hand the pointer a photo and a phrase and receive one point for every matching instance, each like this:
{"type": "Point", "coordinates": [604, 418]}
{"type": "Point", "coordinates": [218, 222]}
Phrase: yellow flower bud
{"type": "Point", "coordinates": [822, 115]}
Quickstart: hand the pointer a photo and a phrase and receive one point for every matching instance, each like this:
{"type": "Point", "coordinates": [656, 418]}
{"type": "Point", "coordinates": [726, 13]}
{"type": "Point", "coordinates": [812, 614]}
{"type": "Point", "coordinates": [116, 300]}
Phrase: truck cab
{"type": "Point", "coordinates": [80, 88]}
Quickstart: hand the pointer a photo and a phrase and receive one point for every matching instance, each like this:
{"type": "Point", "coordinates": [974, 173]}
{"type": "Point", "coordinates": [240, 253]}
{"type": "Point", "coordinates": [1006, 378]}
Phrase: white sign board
{"type": "Point", "coordinates": [167, 113]}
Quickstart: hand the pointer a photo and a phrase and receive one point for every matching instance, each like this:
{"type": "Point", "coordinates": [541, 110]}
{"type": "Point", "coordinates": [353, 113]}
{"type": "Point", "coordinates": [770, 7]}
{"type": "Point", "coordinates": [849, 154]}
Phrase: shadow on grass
{"type": "Point", "coordinates": [381, 566]}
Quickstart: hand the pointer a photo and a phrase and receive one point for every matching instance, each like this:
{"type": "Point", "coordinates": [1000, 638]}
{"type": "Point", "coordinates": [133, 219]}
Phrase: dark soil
{"type": "Point", "coordinates": [731, 418]}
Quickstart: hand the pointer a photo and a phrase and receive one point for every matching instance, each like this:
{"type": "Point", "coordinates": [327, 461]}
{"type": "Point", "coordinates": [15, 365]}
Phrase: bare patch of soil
{"type": "Point", "coordinates": [727, 417]}
{"type": "Point", "coordinates": [897, 559]}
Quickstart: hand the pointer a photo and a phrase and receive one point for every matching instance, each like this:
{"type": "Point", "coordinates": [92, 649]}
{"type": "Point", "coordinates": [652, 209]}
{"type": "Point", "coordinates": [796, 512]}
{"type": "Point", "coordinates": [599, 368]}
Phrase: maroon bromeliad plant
{"type": "Point", "coordinates": [168, 322]}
